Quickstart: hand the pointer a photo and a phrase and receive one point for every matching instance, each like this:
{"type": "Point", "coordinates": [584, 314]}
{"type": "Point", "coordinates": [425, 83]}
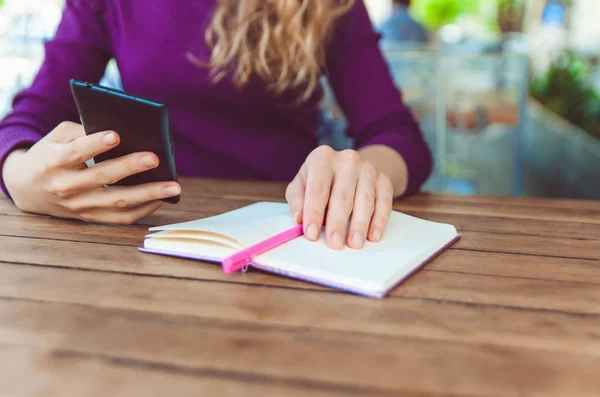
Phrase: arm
{"type": "Point", "coordinates": [80, 50]}
{"type": "Point", "coordinates": [384, 129]}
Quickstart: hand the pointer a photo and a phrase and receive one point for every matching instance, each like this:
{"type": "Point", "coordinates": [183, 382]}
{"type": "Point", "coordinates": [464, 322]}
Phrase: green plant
{"type": "Point", "coordinates": [566, 90]}
{"type": "Point", "coordinates": [436, 13]}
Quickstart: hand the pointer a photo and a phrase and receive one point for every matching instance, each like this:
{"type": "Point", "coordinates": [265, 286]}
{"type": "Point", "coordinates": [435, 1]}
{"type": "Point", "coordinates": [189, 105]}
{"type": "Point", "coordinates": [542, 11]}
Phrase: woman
{"type": "Point", "coordinates": [241, 78]}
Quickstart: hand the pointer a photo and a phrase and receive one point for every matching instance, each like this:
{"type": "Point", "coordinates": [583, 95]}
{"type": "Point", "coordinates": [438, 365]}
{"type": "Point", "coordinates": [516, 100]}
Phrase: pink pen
{"type": "Point", "coordinates": [243, 258]}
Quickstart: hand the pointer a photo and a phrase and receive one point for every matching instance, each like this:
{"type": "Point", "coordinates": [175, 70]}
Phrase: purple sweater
{"type": "Point", "coordinates": [218, 130]}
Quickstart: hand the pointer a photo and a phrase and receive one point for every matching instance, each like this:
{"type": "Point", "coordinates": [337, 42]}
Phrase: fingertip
{"type": "Point", "coordinates": [376, 236]}
{"type": "Point", "coordinates": [148, 160]}
{"type": "Point", "coordinates": [356, 240]}
{"type": "Point", "coordinates": [336, 241]}
{"type": "Point", "coordinates": [110, 138]}
{"type": "Point", "coordinates": [154, 157]}
{"type": "Point", "coordinates": [312, 232]}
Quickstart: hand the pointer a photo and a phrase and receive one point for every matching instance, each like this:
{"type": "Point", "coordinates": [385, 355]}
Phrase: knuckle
{"type": "Point", "coordinates": [74, 206]}
{"type": "Point", "coordinates": [315, 214]}
{"type": "Point", "coordinates": [62, 189]}
{"type": "Point", "coordinates": [155, 194]}
{"type": "Point", "coordinates": [350, 156]}
{"type": "Point", "coordinates": [100, 178]}
{"type": "Point", "coordinates": [73, 154]}
{"type": "Point", "coordinates": [50, 165]}
{"type": "Point", "coordinates": [320, 189]}
{"type": "Point", "coordinates": [324, 151]}
{"type": "Point", "coordinates": [86, 217]}
{"type": "Point", "coordinates": [129, 219]}
{"type": "Point", "coordinates": [66, 124]}
{"type": "Point", "coordinates": [132, 165]}
{"type": "Point", "coordinates": [380, 222]}
{"type": "Point", "coordinates": [343, 197]}
{"type": "Point", "coordinates": [368, 197]}
{"type": "Point", "coordinates": [120, 203]}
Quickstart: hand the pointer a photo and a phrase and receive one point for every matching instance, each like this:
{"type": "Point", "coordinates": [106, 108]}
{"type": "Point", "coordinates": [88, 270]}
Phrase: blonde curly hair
{"type": "Point", "coordinates": [283, 42]}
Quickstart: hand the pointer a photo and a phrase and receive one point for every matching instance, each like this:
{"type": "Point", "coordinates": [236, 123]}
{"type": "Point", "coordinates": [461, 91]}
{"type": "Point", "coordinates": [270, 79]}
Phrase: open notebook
{"type": "Point", "coordinates": [409, 243]}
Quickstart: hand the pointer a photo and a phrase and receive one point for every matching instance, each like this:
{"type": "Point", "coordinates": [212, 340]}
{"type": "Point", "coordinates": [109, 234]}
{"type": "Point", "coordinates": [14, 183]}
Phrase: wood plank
{"type": "Point", "coordinates": [43, 227]}
{"type": "Point", "coordinates": [260, 190]}
{"type": "Point", "coordinates": [128, 260]}
{"type": "Point", "coordinates": [492, 224]}
{"type": "Point", "coordinates": [32, 372]}
{"type": "Point", "coordinates": [444, 285]}
{"type": "Point", "coordinates": [509, 291]}
{"type": "Point", "coordinates": [571, 213]}
{"type": "Point", "coordinates": [66, 230]}
{"type": "Point", "coordinates": [472, 307]}
{"type": "Point", "coordinates": [413, 317]}
{"type": "Point", "coordinates": [19, 225]}
{"type": "Point", "coordinates": [194, 187]}
{"type": "Point", "coordinates": [518, 266]}
{"type": "Point", "coordinates": [530, 245]}
{"type": "Point", "coordinates": [338, 360]}
{"type": "Point", "coordinates": [590, 205]}
{"type": "Point", "coordinates": [511, 207]}
{"type": "Point", "coordinates": [505, 211]}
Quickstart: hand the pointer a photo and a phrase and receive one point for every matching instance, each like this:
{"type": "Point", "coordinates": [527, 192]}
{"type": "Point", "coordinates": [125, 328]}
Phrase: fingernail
{"type": "Point", "coordinates": [110, 139]}
{"type": "Point", "coordinates": [337, 240]}
{"type": "Point", "coordinates": [147, 161]}
{"type": "Point", "coordinates": [171, 191]}
{"type": "Point", "coordinates": [376, 235]}
{"type": "Point", "coordinates": [296, 215]}
{"type": "Point", "coordinates": [358, 239]}
{"type": "Point", "coordinates": [312, 232]}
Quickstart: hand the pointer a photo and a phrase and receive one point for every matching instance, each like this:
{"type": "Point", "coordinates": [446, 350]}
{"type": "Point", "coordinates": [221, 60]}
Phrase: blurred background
{"type": "Point", "coordinates": [507, 91]}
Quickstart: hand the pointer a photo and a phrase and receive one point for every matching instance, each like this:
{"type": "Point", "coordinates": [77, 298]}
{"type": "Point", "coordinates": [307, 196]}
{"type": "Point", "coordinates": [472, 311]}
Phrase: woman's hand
{"type": "Point", "coordinates": [331, 187]}
{"type": "Point", "coordinates": [52, 178]}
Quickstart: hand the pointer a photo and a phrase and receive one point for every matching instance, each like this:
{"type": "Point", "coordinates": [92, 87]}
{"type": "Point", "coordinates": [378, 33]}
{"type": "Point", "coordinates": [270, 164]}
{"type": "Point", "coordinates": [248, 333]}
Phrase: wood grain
{"type": "Point", "coordinates": [65, 372]}
{"type": "Point", "coordinates": [402, 314]}
{"type": "Point", "coordinates": [513, 309]}
{"type": "Point", "coordinates": [41, 227]}
{"type": "Point", "coordinates": [127, 259]}
{"type": "Point", "coordinates": [317, 358]}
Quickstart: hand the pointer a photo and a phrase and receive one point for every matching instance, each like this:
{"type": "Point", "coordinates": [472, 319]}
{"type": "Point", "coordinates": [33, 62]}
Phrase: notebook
{"type": "Point", "coordinates": [374, 270]}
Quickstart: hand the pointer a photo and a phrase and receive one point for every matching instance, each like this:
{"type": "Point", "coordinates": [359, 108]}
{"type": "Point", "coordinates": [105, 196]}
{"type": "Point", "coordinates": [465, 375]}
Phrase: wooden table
{"type": "Point", "coordinates": [513, 309]}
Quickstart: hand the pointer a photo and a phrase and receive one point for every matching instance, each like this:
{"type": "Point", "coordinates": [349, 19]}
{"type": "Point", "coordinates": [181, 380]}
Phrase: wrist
{"type": "Point", "coordinates": [10, 168]}
{"type": "Point", "coordinates": [388, 162]}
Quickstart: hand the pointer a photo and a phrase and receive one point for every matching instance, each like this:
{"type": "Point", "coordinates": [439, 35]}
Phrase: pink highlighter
{"type": "Point", "coordinates": [243, 259]}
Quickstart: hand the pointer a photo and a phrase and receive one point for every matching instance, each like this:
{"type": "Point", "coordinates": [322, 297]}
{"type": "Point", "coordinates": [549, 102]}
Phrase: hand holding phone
{"type": "Point", "coordinates": [142, 124]}
{"type": "Point", "coordinates": [51, 178]}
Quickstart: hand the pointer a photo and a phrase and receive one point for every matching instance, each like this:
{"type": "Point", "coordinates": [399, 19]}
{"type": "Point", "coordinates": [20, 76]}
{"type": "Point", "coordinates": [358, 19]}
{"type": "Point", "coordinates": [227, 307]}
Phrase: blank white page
{"type": "Point", "coordinates": [407, 243]}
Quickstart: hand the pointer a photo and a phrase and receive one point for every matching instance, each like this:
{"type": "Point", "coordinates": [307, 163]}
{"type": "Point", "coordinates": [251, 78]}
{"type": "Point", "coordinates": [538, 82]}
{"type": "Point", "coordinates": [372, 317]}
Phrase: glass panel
{"type": "Point", "coordinates": [471, 111]}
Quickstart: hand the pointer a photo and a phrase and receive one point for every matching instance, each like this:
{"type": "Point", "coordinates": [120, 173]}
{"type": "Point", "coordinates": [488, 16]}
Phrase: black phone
{"type": "Point", "coordinates": [142, 124]}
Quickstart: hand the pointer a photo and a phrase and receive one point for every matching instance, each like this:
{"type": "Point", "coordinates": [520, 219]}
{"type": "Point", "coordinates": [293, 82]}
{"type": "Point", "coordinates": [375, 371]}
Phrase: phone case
{"type": "Point", "coordinates": [142, 124]}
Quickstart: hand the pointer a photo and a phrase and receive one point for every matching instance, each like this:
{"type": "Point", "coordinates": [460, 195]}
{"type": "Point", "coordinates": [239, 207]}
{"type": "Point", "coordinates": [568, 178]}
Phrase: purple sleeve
{"type": "Point", "coordinates": [80, 50]}
{"type": "Point", "coordinates": [373, 105]}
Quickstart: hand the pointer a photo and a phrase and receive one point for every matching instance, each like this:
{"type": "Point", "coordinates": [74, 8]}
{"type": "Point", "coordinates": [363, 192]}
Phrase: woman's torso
{"type": "Point", "coordinates": [219, 130]}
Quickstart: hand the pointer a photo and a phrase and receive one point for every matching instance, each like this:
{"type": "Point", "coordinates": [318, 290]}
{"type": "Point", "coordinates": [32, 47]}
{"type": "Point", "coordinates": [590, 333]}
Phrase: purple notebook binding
{"type": "Point", "coordinates": [304, 278]}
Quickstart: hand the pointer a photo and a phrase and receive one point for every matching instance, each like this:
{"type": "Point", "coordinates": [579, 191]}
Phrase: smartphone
{"type": "Point", "coordinates": [142, 124]}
